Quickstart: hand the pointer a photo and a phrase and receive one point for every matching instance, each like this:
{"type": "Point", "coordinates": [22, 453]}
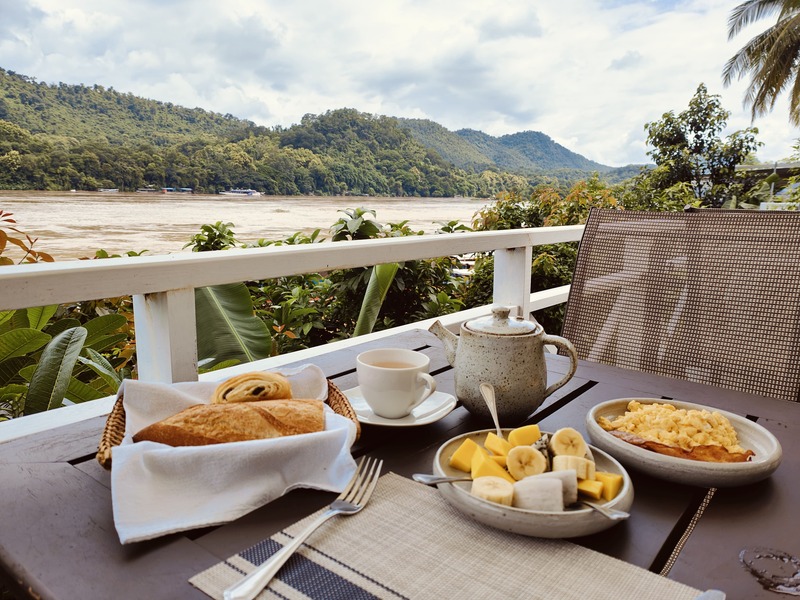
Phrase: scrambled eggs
{"type": "Point", "coordinates": [682, 428]}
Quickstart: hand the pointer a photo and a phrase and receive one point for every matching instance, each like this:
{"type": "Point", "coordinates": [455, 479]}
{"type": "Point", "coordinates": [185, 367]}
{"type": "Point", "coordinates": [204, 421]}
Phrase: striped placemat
{"type": "Point", "coordinates": [409, 543]}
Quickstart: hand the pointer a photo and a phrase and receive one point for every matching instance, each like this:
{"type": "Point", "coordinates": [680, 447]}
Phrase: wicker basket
{"type": "Point", "coordinates": [114, 430]}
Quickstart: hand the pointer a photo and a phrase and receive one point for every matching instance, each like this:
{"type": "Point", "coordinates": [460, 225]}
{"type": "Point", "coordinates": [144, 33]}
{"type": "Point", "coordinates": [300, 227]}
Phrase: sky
{"type": "Point", "coordinates": [588, 73]}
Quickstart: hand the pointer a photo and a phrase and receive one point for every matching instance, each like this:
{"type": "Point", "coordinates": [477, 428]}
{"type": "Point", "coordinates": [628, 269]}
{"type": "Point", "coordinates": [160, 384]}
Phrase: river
{"type": "Point", "coordinates": [72, 225]}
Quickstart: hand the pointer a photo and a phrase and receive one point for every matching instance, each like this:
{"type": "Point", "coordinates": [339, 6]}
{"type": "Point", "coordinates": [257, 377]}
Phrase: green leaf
{"type": "Point", "coordinates": [223, 365]}
{"type": "Point", "coordinates": [100, 365]}
{"type": "Point", "coordinates": [380, 281]}
{"type": "Point", "coordinates": [101, 326]}
{"type": "Point", "coordinates": [51, 379]}
{"type": "Point", "coordinates": [61, 325]}
{"type": "Point", "coordinates": [19, 342]}
{"type": "Point", "coordinates": [101, 343]}
{"type": "Point", "coordinates": [9, 369]}
{"type": "Point", "coordinates": [39, 316]}
{"type": "Point", "coordinates": [6, 315]}
{"type": "Point", "coordinates": [227, 329]}
{"type": "Point", "coordinates": [78, 392]}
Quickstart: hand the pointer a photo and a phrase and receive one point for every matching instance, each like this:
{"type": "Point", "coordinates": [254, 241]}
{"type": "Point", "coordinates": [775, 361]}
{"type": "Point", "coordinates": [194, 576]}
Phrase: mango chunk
{"type": "Point", "coordinates": [496, 445]}
{"type": "Point", "coordinates": [483, 466]}
{"type": "Point", "coordinates": [612, 483]}
{"type": "Point", "coordinates": [591, 487]}
{"type": "Point", "coordinates": [500, 460]}
{"type": "Point", "coordinates": [524, 436]}
{"type": "Point", "coordinates": [477, 456]}
{"type": "Point", "coordinates": [462, 457]}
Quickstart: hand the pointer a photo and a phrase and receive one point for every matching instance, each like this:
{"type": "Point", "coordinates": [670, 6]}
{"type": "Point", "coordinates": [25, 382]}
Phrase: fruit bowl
{"type": "Point", "coordinates": [567, 524]}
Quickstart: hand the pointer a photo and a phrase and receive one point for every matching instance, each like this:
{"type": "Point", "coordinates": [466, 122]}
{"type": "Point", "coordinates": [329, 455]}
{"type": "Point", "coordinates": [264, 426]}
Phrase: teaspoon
{"type": "Point", "coordinates": [609, 513]}
{"type": "Point", "coordinates": [487, 391]}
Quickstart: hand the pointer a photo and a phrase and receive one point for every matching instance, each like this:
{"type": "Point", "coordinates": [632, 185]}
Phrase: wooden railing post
{"type": "Point", "coordinates": [166, 336]}
{"type": "Point", "coordinates": [512, 278]}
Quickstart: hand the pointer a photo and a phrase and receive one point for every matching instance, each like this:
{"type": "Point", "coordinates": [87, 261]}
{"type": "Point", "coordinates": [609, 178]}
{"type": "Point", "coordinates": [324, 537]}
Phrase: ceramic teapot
{"type": "Point", "coordinates": [507, 353]}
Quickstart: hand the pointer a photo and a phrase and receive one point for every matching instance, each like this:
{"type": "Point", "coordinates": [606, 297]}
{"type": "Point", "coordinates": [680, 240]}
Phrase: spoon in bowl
{"type": "Point", "coordinates": [609, 513]}
{"type": "Point", "coordinates": [487, 391]}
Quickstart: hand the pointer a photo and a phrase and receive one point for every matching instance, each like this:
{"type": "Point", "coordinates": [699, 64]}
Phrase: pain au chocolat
{"type": "Point", "coordinates": [251, 387]}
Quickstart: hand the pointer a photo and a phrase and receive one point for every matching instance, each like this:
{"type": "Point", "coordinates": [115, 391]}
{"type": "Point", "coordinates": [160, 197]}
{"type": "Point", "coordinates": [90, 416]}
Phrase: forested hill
{"type": "Point", "coordinates": [78, 137]}
{"type": "Point", "coordinates": [97, 113]}
{"type": "Point", "coordinates": [524, 152]}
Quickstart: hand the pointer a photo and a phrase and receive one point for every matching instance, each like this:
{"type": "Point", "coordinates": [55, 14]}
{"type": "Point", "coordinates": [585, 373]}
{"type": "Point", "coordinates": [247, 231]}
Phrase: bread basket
{"type": "Point", "coordinates": [114, 430]}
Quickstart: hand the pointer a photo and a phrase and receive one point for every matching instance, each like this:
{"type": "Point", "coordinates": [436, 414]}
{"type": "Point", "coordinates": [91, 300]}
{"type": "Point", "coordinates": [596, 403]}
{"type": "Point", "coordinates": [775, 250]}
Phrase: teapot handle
{"type": "Point", "coordinates": [564, 344]}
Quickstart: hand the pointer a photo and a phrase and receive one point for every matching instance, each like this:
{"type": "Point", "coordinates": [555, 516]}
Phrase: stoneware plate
{"type": "Point", "coordinates": [567, 524]}
{"type": "Point", "coordinates": [752, 436]}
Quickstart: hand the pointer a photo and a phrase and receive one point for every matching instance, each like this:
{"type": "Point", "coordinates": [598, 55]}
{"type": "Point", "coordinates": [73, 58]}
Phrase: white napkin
{"type": "Point", "coordinates": [157, 489]}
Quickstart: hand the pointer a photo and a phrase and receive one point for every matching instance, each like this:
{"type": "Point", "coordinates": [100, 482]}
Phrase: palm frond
{"type": "Point", "coordinates": [751, 11]}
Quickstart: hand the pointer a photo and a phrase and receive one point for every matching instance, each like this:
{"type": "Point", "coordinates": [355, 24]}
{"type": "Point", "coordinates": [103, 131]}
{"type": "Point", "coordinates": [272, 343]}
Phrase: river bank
{"type": "Point", "coordinates": [75, 225]}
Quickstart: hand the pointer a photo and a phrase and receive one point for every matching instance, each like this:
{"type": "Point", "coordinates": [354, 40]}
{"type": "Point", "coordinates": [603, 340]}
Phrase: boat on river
{"type": "Point", "coordinates": [238, 192]}
{"type": "Point", "coordinates": [172, 190]}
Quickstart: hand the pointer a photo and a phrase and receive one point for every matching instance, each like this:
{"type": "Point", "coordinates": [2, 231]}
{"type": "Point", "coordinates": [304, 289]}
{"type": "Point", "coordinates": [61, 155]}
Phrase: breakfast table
{"type": "Point", "coordinates": [58, 537]}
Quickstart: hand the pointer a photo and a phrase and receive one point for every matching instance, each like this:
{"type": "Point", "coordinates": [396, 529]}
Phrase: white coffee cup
{"type": "Point", "coordinates": [394, 381]}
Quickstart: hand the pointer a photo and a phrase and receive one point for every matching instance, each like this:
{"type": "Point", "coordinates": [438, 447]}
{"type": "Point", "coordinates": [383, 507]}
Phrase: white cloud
{"type": "Point", "coordinates": [588, 73]}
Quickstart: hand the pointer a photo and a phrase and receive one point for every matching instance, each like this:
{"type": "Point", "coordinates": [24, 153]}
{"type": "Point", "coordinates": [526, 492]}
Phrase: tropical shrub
{"type": "Point", "coordinates": [45, 359]}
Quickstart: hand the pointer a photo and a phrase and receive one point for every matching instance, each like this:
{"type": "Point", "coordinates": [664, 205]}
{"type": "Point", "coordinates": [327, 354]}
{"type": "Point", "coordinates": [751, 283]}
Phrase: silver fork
{"type": "Point", "coordinates": [349, 502]}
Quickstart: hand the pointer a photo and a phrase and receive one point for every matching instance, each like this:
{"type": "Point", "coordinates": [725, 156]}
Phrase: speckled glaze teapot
{"type": "Point", "coordinates": [507, 353]}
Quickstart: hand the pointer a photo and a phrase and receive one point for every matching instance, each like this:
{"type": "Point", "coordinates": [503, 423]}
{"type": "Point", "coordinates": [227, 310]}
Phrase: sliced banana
{"type": "Point", "coordinates": [493, 489]}
{"type": "Point", "coordinates": [584, 468]}
{"type": "Point", "coordinates": [524, 461]}
{"type": "Point", "coordinates": [539, 493]}
{"type": "Point", "coordinates": [567, 441]}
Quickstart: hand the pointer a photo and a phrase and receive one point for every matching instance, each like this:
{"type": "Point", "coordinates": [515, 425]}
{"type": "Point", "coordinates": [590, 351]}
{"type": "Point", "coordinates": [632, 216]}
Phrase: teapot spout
{"type": "Point", "coordinates": [448, 338]}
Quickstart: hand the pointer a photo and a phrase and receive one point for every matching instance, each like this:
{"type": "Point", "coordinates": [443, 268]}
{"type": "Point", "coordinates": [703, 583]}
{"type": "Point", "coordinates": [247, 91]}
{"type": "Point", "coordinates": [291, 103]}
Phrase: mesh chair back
{"type": "Point", "coordinates": [711, 296]}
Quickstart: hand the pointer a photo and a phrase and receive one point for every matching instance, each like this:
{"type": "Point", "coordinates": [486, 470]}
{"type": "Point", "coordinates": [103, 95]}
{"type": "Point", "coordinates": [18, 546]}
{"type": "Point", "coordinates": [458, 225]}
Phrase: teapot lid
{"type": "Point", "coordinates": [498, 323]}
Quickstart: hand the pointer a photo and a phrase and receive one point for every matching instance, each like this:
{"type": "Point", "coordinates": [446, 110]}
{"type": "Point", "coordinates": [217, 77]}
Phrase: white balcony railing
{"type": "Point", "coordinates": [163, 293]}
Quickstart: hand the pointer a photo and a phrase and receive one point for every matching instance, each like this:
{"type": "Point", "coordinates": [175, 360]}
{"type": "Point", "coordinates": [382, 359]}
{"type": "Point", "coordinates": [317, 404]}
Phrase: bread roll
{"type": "Point", "coordinates": [250, 387]}
{"type": "Point", "coordinates": [204, 424]}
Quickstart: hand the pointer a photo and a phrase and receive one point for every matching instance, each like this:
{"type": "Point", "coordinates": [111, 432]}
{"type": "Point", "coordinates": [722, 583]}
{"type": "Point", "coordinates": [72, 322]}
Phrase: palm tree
{"type": "Point", "coordinates": [772, 58]}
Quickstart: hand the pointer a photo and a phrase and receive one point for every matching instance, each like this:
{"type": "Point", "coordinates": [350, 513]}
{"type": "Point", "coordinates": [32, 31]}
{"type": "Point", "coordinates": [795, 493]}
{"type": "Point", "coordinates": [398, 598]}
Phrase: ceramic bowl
{"type": "Point", "coordinates": [567, 524]}
{"type": "Point", "coordinates": [752, 436]}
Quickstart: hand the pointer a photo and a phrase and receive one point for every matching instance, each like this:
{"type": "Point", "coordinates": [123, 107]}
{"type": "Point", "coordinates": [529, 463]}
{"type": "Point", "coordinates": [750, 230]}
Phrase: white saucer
{"type": "Point", "coordinates": [437, 406]}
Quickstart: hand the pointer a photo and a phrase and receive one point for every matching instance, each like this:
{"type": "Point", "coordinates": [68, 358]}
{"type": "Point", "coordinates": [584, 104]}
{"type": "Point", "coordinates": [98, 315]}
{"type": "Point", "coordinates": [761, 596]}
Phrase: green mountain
{"type": "Point", "coordinates": [450, 146]}
{"type": "Point", "coordinates": [543, 152]}
{"type": "Point", "coordinates": [524, 152]}
{"type": "Point", "coordinates": [60, 136]}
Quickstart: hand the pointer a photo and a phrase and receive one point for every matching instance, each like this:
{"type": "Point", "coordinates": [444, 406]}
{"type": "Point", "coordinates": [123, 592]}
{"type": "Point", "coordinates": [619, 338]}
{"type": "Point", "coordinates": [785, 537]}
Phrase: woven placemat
{"type": "Point", "coordinates": [114, 429]}
{"type": "Point", "coordinates": [408, 542]}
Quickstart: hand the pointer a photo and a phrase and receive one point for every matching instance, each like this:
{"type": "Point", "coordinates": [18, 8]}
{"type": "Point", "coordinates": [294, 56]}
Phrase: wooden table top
{"type": "Point", "coordinates": [57, 536]}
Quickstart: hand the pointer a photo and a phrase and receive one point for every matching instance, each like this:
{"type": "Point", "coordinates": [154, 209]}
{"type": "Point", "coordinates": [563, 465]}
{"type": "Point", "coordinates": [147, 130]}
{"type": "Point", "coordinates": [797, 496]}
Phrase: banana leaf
{"type": "Point", "coordinates": [380, 280]}
{"type": "Point", "coordinates": [227, 328]}
{"type": "Point", "coordinates": [40, 315]}
{"type": "Point", "coordinates": [5, 315]}
{"type": "Point", "coordinates": [51, 379]}
{"type": "Point", "coordinates": [19, 342]}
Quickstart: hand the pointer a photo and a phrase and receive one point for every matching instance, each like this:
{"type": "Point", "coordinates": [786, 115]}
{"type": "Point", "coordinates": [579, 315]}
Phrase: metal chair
{"type": "Point", "coordinates": [711, 296]}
